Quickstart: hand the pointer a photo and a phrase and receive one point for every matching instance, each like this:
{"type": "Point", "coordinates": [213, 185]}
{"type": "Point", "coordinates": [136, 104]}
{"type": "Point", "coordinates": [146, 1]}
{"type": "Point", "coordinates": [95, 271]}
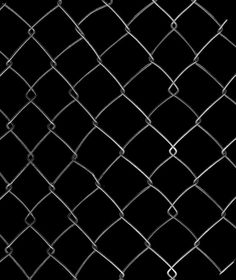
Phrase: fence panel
{"type": "Point", "coordinates": [117, 141]}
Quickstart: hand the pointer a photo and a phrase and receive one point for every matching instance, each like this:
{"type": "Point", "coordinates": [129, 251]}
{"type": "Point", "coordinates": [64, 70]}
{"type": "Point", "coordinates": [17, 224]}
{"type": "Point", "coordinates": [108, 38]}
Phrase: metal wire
{"type": "Point", "coordinates": [121, 154]}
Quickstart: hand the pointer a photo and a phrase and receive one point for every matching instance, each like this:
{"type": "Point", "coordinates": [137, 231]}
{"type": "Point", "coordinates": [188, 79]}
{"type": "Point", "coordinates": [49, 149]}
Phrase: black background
{"type": "Point", "coordinates": [121, 121]}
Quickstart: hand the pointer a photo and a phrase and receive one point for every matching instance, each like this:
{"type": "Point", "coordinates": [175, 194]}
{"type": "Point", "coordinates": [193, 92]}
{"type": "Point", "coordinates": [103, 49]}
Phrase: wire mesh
{"type": "Point", "coordinates": [116, 158]}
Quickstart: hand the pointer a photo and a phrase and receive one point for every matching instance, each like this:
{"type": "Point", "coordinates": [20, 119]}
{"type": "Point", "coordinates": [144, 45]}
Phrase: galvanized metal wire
{"type": "Point", "coordinates": [74, 95]}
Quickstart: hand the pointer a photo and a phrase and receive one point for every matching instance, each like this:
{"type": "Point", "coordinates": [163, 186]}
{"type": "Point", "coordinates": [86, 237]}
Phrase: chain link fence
{"type": "Point", "coordinates": [117, 141]}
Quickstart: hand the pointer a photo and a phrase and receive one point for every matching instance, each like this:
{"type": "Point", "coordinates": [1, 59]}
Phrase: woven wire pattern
{"type": "Point", "coordinates": [111, 150]}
